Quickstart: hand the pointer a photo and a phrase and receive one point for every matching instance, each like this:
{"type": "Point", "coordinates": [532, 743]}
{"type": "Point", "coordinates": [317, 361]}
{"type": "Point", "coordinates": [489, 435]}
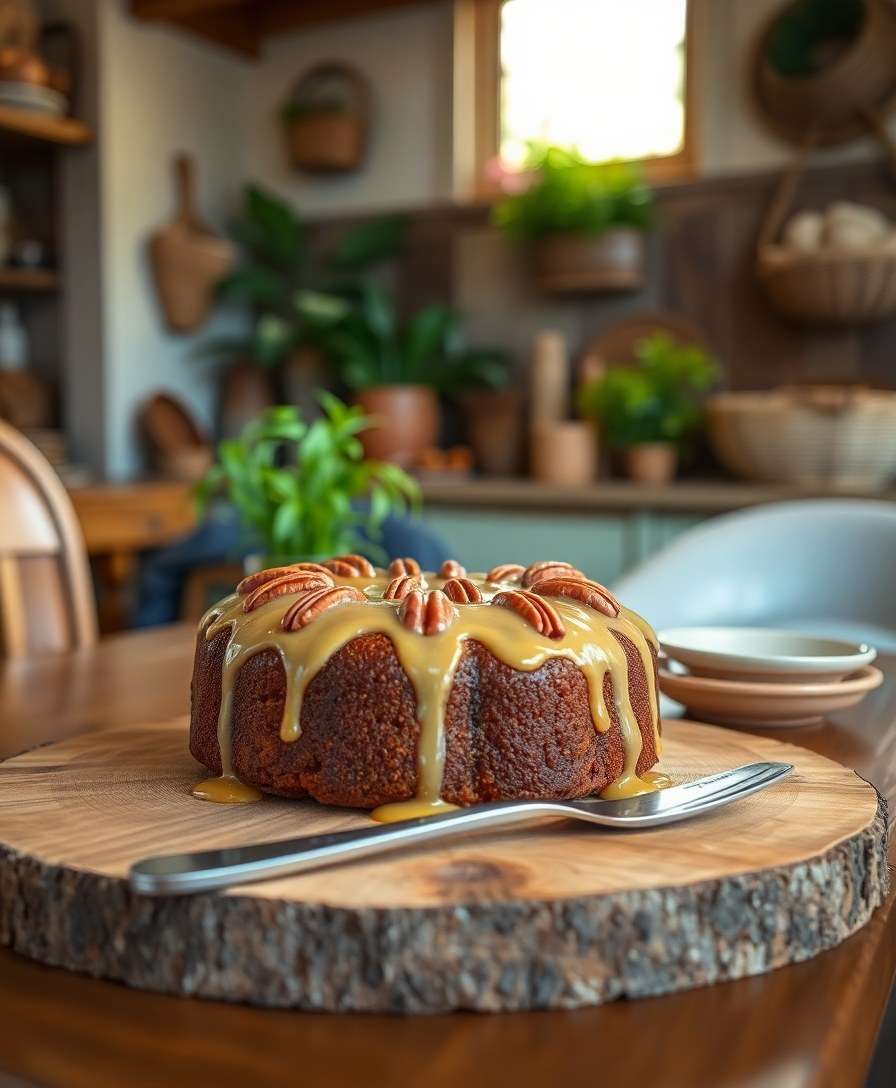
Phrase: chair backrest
{"type": "Point", "coordinates": [822, 563]}
{"type": "Point", "coordinates": [46, 597]}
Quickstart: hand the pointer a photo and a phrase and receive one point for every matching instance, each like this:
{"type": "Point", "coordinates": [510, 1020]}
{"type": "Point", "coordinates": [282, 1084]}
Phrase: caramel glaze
{"type": "Point", "coordinates": [430, 662]}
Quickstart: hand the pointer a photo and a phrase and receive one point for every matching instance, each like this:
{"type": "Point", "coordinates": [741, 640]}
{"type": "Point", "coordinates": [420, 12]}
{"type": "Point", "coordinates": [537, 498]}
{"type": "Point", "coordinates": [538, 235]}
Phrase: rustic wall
{"type": "Point", "coordinates": [701, 265]}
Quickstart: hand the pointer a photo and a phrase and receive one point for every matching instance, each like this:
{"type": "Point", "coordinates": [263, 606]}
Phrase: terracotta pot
{"type": "Point", "coordinates": [612, 261]}
{"type": "Point", "coordinates": [651, 463]}
{"type": "Point", "coordinates": [406, 422]}
{"type": "Point", "coordinates": [564, 453]}
{"type": "Point", "coordinates": [495, 430]}
{"type": "Point", "coordinates": [243, 394]}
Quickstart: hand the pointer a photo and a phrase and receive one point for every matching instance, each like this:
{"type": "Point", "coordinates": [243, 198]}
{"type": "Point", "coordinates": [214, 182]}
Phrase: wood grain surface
{"type": "Point", "coordinates": [813, 1023]}
{"type": "Point", "coordinates": [557, 915]}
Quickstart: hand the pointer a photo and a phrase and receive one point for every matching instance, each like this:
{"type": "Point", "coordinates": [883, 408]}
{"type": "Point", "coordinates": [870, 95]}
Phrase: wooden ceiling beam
{"type": "Point", "coordinates": [175, 10]}
{"type": "Point", "coordinates": [280, 16]}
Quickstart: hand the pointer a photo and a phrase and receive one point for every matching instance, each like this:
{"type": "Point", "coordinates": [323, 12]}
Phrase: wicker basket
{"type": "Point", "coordinates": [822, 436]}
{"type": "Point", "coordinates": [329, 139]}
{"type": "Point", "coordinates": [828, 286]}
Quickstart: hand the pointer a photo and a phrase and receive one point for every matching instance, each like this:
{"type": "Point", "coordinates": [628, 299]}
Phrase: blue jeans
{"type": "Point", "coordinates": [219, 540]}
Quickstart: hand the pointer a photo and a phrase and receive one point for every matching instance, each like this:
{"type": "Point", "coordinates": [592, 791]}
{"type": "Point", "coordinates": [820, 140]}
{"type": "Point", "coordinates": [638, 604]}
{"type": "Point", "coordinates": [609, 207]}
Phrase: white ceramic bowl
{"type": "Point", "coordinates": [763, 654]}
{"type": "Point", "coordinates": [738, 702]}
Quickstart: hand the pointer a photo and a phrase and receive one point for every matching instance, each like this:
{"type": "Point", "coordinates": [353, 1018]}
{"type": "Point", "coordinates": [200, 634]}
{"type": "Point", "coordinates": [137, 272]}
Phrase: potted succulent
{"type": "Point", "coordinates": [650, 408]}
{"type": "Point", "coordinates": [396, 369]}
{"type": "Point", "coordinates": [282, 287]}
{"type": "Point", "coordinates": [585, 222]}
{"type": "Point", "coordinates": [304, 491]}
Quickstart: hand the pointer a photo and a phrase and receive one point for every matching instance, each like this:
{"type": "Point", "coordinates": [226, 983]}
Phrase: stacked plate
{"type": "Point", "coordinates": [762, 676]}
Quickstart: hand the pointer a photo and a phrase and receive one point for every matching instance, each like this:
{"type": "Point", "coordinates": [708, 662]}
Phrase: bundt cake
{"type": "Point", "coordinates": [407, 692]}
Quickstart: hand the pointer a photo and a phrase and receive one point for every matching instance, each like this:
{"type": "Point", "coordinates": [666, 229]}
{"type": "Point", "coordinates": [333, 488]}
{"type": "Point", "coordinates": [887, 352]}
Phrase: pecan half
{"type": "Point", "coordinates": [295, 582]}
{"type": "Point", "coordinates": [592, 594]}
{"type": "Point", "coordinates": [462, 591]}
{"type": "Point", "coordinates": [505, 572]}
{"type": "Point", "coordinates": [310, 605]}
{"type": "Point", "coordinates": [452, 569]}
{"type": "Point", "coordinates": [426, 614]}
{"type": "Point", "coordinates": [350, 566]}
{"type": "Point", "coordinates": [253, 581]}
{"type": "Point", "coordinates": [404, 566]}
{"type": "Point", "coordinates": [535, 611]}
{"type": "Point", "coordinates": [400, 587]}
{"type": "Point", "coordinates": [548, 568]}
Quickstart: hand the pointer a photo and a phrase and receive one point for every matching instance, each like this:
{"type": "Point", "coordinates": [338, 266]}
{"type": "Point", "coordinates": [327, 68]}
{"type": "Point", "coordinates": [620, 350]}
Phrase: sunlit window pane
{"type": "Point", "coordinates": [603, 76]}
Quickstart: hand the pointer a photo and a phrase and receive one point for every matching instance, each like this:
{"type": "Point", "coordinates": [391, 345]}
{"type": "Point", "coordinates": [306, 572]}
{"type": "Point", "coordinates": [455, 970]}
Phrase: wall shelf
{"type": "Point", "coordinates": [28, 279]}
{"type": "Point", "coordinates": [48, 128]}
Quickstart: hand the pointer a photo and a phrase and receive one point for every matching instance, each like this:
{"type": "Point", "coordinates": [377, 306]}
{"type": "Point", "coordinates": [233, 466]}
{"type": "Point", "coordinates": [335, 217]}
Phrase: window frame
{"type": "Point", "coordinates": [476, 117]}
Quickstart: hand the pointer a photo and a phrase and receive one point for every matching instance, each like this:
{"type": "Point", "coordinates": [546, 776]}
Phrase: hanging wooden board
{"type": "Point", "coordinates": [557, 915]}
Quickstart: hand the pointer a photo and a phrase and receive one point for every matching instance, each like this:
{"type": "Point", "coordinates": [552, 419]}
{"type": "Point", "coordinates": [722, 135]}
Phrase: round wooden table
{"type": "Point", "coordinates": [810, 1024]}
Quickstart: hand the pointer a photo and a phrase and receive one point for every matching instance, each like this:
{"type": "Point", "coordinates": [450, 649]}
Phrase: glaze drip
{"type": "Point", "coordinates": [430, 662]}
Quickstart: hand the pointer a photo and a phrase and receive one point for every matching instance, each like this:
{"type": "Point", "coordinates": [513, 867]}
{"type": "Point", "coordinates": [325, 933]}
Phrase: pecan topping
{"type": "Point", "coordinates": [535, 611]}
{"type": "Point", "coordinates": [294, 582]}
{"type": "Point", "coordinates": [452, 569]}
{"type": "Point", "coordinates": [350, 566]}
{"type": "Point", "coordinates": [427, 615]}
{"type": "Point", "coordinates": [505, 572]}
{"type": "Point", "coordinates": [404, 566]}
{"type": "Point", "coordinates": [592, 594]}
{"type": "Point", "coordinates": [253, 581]}
{"type": "Point", "coordinates": [311, 604]}
{"type": "Point", "coordinates": [461, 591]}
{"type": "Point", "coordinates": [400, 587]}
{"type": "Point", "coordinates": [548, 568]}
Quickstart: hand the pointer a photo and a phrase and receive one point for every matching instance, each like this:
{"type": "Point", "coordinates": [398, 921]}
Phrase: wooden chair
{"type": "Point", "coordinates": [46, 596]}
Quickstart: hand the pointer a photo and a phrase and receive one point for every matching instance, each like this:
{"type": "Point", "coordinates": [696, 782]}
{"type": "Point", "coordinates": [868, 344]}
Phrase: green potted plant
{"type": "Point", "coordinates": [282, 286]}
{"type": "Point", "coordinates": [584, 221]}
{"type": "Point", "coordinates": [296, 485]}
{"type": "Point", "coordinates": [649, 409]}
{"type": "Point", "coordinates": [396, 369]}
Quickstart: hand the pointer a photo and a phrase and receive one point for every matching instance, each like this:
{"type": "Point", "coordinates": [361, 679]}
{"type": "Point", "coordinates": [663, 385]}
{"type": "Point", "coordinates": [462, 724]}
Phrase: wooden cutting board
{"type": "Point", "coordinates": [557, 915]}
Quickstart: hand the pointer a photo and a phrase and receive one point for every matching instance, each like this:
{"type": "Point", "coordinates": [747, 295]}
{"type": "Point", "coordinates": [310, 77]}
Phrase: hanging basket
{"type": "Point", "coordinates": [827, 286]}
{"type": "Point", "coordinates": [326, 119]}
{"type": "Point", "coordinates": [861, 78]}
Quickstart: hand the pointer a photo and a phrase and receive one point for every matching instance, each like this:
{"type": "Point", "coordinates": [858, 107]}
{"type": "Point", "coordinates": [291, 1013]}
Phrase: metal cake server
{"type": "Point", "coordinates": [183, 874]}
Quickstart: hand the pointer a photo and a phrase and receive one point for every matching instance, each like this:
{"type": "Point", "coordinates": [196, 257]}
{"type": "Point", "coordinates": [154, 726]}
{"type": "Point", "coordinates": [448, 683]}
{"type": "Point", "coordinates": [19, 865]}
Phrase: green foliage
{"type": "Point", "coordinates": [573, 195]}
{"type": "Point", "coordinates": [806, 35]}
{"type": "Point", "coordinates": [293, 483]}
{"type": "Point", "coordinates": [281, 285]}
{"type": "Point", "coordinates": [657, 400]}
{"type": "Point", "coordinates": [310, 107]}
{"type": "Point", "coordinates": [371, 347]}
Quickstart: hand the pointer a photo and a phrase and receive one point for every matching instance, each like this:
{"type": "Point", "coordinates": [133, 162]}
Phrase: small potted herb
{"type": "Point", "coordinates": [584, 221]}
{"type": "Point", "coordinates": [303, 491]}
{"type": "Point", "coordinates": [648, 410]}
{"type": "Point", "coordinates": [396, 369]}
{"type": "Point", "coordinates": [325, 119]}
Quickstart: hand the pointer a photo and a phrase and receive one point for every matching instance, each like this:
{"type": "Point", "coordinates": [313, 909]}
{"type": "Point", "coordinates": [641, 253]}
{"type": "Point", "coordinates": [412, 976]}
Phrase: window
{"type": "Point", "coordinates": [607, 77]}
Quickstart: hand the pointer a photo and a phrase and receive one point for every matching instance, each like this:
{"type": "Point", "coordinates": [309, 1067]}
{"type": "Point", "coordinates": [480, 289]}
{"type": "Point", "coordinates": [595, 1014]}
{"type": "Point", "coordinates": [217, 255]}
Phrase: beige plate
{"type": "Point", "coordinates": [739, 702]}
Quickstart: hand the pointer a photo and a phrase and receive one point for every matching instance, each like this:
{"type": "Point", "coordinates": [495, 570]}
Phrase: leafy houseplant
{"type": "Point", "coordinates": [397, 368]}
{"type": "Point", "coordinates": [295, 485]}
{"type": "Point", "coordinates": [650, 409]}
{"type": "Point", "coordinates": [282, 286]}
{"type": "Point", "coordinates": [584, 220]}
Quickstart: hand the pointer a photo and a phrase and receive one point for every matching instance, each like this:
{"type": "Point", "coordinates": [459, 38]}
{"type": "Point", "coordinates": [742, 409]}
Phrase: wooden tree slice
{"type": "Point", "coordinates": [558, 915]}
